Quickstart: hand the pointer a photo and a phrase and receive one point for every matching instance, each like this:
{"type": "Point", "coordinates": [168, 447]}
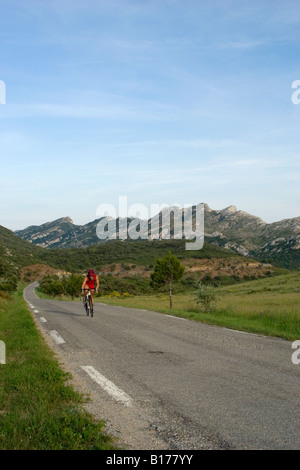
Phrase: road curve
{"type": "Point", "coordinates": [162, 382]}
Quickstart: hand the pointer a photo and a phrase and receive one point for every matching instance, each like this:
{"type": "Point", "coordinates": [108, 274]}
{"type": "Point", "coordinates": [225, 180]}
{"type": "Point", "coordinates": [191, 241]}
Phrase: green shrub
{"type": "Point", "coordinates": [206, 297]}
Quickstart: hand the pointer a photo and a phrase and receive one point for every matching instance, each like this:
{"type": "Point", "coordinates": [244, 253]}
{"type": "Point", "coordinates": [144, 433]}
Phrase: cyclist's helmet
{"type": "Point", "coordinates": [91, 273]}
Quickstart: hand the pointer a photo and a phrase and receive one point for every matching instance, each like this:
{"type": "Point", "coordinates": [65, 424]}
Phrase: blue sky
{"type": "Point", "coordinates": [164, 101]}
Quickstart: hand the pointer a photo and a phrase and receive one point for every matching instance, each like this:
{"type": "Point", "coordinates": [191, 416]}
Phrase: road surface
{"type": "Point", "coordinates": [162, 382]}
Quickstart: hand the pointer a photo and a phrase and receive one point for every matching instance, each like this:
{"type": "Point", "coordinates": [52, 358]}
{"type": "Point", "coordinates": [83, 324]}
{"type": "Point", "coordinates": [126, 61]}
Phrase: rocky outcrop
{"type": "Point", "coordinates": [230, 228]}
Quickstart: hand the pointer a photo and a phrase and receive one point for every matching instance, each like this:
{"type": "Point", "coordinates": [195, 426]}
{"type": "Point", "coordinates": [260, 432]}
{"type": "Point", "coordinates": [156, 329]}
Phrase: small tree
{"type": "Point", "coordinates": [167, 270]}
{"type": "Point", "coordinates": [73, 285]}
{"type": "Point", "coordinates": [207, 296]}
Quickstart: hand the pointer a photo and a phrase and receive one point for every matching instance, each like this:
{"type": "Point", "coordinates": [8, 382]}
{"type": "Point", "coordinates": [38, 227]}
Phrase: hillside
{"type": "Point", "coordinates": [16, 255]}
{"type": "Point", "coordinates": [15, 252]}
{"type": "Point", "coordinates": [229, 228]}
{"type": "Point", "coordinates": [283, 251]}
{"type": "Point", "coordinates": [132, 259]}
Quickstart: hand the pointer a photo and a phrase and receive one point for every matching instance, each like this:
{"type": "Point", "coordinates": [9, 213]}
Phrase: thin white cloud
{"type": "Point", "coordinates": [130, 111]}
{"type": "Point", "coordinates": [184, 143]}
{"type": "Point", "coordinates": [243, 44]}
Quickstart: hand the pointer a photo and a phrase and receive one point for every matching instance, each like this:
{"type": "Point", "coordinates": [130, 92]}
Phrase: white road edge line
{"type": "Point", "coordinates": [172, 316]}
{"type": "Point", "coordinates": [57, 338]}
{"type": "Point", "coordinates": [108, 386]}
{"type": "Point", "coordinates": [43, 320]}
{"type": "Point", "coordinates": [246, 333]}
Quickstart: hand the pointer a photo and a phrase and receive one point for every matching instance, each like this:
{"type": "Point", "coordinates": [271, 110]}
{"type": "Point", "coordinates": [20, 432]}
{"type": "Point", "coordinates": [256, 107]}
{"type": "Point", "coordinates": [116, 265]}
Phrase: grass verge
{"type": "Point", "coordinates": [39, 410]}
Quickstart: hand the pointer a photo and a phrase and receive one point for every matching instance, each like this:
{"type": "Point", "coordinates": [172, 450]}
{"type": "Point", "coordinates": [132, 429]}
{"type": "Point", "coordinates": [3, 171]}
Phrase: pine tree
{"type": "Point", "coordinates": [167, 270]}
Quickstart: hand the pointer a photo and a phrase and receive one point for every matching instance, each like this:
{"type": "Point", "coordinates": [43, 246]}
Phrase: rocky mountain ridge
{"type": "Point", "coordinates": [230, 228]}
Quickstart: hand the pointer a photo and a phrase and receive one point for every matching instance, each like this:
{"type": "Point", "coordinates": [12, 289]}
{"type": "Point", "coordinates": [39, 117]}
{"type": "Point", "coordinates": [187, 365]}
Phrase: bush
{"type": "Point", "coordinates": [70, 285]}
{"type": "Point", "coordinates": [132, 285]}
{"type": "Point", "coordinates": [207, 296]}
{"type": "Point", "coordinates": [115, 293]}
{"type": "Point", "coordinates": [8, 284]}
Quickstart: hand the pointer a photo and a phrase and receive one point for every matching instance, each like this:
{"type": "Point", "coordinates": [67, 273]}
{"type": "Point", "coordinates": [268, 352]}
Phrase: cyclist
{"type": "Point", "coordinates": [89, 284]}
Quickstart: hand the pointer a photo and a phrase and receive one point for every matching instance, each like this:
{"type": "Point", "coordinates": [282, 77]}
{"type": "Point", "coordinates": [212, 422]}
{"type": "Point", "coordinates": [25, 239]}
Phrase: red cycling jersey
{"type": "Point", "coordinates": [91, 282]}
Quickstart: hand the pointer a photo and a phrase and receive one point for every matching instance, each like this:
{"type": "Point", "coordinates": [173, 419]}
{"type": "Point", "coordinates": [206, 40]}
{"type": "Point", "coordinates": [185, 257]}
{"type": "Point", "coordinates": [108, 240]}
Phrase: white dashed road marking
{"type": "Point", "coordinates": [108, 386]}
{"type": "Point", "coordinates": [57, 338]}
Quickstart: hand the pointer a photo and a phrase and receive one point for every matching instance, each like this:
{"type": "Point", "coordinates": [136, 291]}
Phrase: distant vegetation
{"type": "Point", "coordinates": [138, 252]}
{"type": "Point", "coordinates": [19, 252]}
{"type": "Point", "coordinates": [15, 253]}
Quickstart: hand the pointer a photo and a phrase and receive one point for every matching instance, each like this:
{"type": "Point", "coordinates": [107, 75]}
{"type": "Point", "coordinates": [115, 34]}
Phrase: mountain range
{"type": "Point", "coordinates": [236, 230]}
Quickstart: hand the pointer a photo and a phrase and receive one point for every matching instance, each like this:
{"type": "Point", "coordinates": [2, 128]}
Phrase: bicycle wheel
{"type": "Point", "coordinates": [87, 305]}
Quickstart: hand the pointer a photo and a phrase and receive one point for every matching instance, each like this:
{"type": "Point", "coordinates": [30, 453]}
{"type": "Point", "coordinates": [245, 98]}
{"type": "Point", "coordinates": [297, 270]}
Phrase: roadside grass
{"type": "Point", "coordinates": [39, 410]}
{"type": "Point", "coordinates": [269, 306]}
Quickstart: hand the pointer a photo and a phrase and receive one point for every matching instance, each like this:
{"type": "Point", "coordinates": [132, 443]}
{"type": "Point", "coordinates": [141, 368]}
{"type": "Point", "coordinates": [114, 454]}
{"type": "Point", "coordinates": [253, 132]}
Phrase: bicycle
{"type": "Point", "coordinates": [88, 304]}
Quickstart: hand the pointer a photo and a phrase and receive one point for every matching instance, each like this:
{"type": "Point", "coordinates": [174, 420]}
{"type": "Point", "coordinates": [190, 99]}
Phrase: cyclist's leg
{"type": "Point", "coordinates": [86, 289]}
{"type": "Point", "coordinates": [92, 293]}
{"type": "Point", "coordinates": [92, 302]}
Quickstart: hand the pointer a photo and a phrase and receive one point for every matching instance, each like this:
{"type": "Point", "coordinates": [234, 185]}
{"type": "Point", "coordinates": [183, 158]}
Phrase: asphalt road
{"type": "Point", "coordinates": [164, 382]}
